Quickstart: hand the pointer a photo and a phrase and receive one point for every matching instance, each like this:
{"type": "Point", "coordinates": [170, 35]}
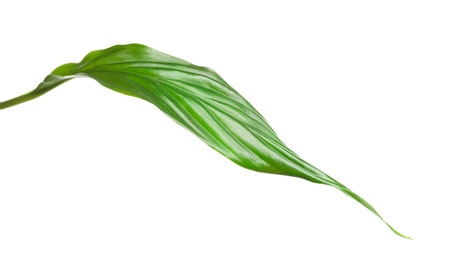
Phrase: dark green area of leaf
{"type": "Point", "coordinates": [198, 99]}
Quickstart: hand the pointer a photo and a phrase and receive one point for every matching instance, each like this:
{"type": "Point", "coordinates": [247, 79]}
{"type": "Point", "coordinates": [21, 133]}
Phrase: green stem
{"type": "Point", "coordinates": [47, 85]}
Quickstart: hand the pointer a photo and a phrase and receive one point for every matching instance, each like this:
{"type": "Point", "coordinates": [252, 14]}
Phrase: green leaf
{"type": "Point", "coordinates": [198, 99]}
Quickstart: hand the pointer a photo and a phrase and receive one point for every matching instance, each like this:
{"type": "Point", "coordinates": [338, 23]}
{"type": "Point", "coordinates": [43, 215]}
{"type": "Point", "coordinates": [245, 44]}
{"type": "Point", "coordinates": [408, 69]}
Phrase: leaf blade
{"type": "Point", "coordinates": [198, 99]}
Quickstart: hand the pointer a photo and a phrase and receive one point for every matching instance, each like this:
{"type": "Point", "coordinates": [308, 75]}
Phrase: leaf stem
{"type": "Point", "coordinates": [20, 99]}
{"type": "Point", "coordinates": [44, 87]}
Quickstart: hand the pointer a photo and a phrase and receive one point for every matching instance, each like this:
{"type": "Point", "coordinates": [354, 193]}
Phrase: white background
{"type": "Point", "coordinates": [361, 89]}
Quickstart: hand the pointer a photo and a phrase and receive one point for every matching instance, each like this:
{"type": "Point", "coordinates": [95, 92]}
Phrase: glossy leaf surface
{"type": "Point", "coordinates": [198, 99]}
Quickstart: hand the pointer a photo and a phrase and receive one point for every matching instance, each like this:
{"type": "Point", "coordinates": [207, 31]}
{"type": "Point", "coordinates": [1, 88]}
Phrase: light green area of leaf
{"type": "Point", "coordinates": [198, 99]}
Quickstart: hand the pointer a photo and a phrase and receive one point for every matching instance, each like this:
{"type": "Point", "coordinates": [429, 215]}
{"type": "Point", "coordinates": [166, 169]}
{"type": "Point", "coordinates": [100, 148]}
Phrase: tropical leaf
{"type": "Point", "coordinates": [198, 99]}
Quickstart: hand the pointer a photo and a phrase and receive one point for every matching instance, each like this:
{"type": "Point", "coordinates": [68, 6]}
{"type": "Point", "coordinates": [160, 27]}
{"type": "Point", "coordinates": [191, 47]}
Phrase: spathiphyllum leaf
{"type": "Point", "coordinates": [198, 99]}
